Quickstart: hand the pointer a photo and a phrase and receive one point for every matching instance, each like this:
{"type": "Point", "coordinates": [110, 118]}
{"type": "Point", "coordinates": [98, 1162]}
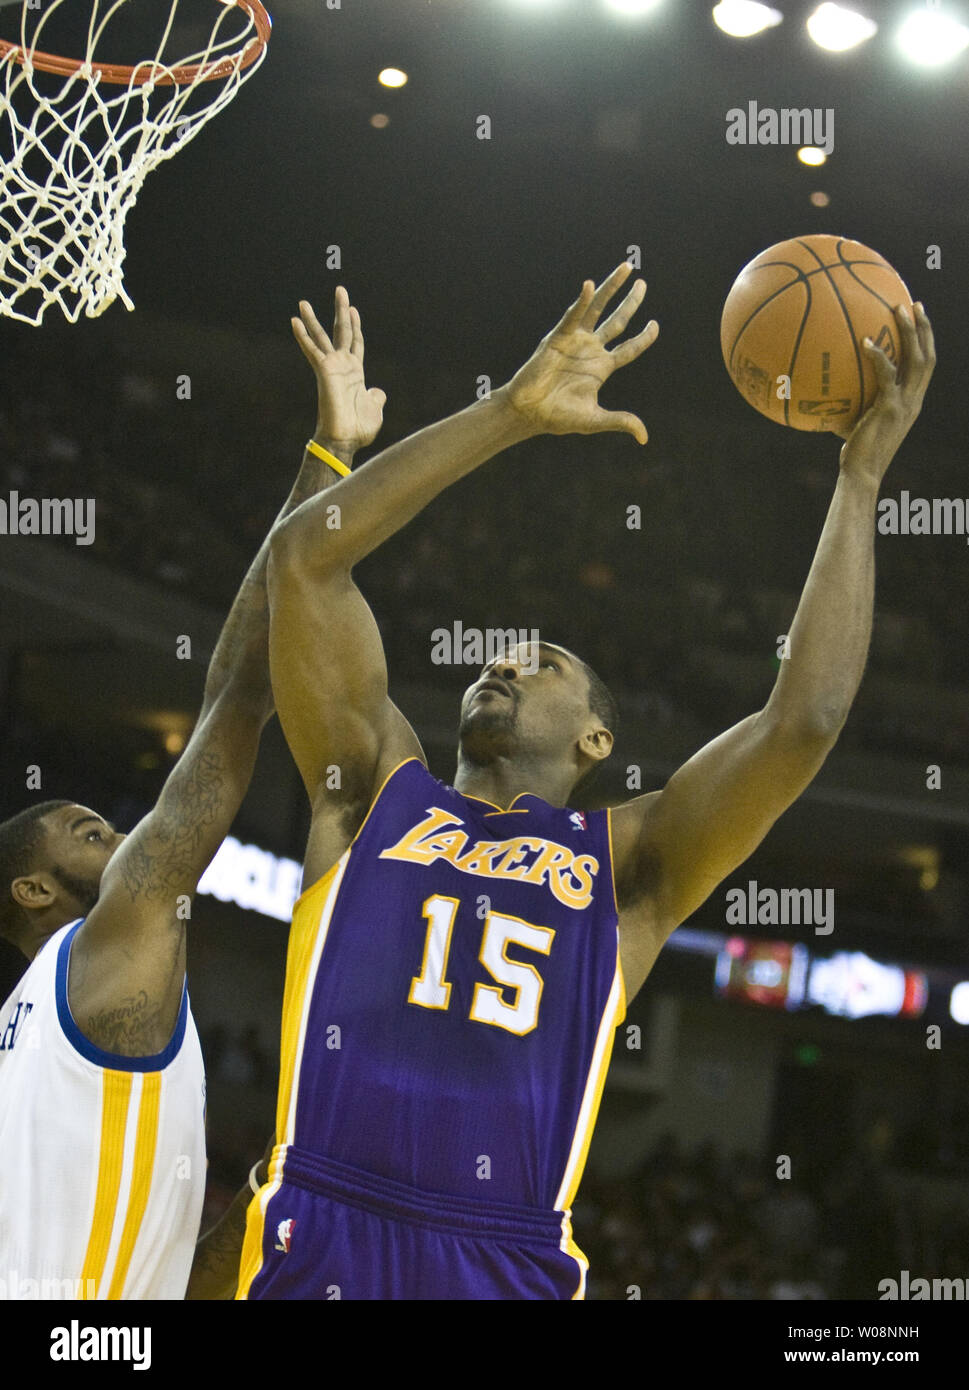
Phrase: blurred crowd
{"type": "Point", "coordinates": [705, 1225]}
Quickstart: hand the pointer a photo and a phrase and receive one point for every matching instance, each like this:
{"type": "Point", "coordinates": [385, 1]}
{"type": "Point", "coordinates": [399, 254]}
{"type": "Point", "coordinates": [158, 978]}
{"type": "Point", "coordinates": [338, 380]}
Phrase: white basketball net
{"type": "Point", "coordinates": [72, 163]}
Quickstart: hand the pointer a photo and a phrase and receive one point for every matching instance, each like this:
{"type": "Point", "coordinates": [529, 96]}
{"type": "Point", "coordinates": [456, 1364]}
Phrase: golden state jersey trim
{"type": "Point", "coordinates": [525, 858]}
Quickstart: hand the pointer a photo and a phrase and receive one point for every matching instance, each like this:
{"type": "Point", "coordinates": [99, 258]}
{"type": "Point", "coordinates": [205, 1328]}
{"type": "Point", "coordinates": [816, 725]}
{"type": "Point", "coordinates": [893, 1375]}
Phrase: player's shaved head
{"type": "Point", "coordinates": [602, 702]}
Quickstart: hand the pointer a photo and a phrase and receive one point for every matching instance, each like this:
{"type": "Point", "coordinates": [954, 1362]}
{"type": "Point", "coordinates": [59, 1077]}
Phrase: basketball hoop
{"type": "Point", "coordinates": [73, 159]}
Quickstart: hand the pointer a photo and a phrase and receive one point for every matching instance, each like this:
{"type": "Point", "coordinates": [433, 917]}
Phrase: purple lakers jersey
{"type": "Point", "coordinates": [452, 989]}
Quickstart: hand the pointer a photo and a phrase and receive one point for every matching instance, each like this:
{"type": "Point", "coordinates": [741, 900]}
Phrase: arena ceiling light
{"type": "Point", "coordinates": [632, 8]}
{"type": "Point", "coordinates": [810, 154]}
{"type": "Point", "coordinates": [743, 18]}
{"type": "Point", "coordinates": [930, 38]}
{"type": "Point", "coordinates": [392, 77]}
{"type": "Point", "coordinates": [837, 29]}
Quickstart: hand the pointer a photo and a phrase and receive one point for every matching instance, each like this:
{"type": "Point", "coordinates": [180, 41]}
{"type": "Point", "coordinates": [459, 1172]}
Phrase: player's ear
{"type": "Point", "coordinates": [596, 743]}
{"type": "Point", "coordinates": [34, 891]}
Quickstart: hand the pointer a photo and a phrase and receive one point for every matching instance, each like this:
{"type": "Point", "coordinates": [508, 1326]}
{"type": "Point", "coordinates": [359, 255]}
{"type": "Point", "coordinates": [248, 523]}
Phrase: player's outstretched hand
{"type": "Point", "coordinates": [348, 412]}
{"type": "Point", "coordinates": [557, 390]}
{"type": "Point", "coordinates": [874, 441]}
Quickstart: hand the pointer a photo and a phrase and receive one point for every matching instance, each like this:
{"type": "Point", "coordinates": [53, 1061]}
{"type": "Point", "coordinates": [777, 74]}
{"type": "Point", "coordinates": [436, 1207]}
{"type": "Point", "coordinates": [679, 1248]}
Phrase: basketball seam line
{"type": "Point", "coordinates": [847, 317]}
{"type": "Point", "coordinates": [888, 307]}
{"type": "Point", "coordinates": [801, 277]}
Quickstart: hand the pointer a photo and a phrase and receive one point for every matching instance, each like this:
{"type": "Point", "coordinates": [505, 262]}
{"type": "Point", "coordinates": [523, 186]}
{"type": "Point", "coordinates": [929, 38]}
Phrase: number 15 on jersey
{"type": "Point", "coordinates": [432, 990]}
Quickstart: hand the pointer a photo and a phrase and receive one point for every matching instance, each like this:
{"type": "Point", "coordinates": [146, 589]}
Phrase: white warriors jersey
{"type": "Point", "coordinates": [102, 1157]}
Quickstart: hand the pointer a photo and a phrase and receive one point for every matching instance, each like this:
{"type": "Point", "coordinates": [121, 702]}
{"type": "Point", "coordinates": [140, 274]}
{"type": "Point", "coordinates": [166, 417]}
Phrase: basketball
{"type": "Point", "coordinates": [793, 324]}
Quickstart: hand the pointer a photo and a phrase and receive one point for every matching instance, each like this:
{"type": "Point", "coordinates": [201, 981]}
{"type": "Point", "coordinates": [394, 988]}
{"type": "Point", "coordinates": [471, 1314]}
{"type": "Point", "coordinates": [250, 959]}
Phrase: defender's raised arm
{"type": "Point", "coordinates": [132, 944]}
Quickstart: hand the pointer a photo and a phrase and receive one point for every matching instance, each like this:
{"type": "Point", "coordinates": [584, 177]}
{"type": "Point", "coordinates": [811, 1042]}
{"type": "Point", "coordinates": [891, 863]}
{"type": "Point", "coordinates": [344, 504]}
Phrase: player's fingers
{"type": "Point", "coordinates": [315, 330]}
{"type": "Point", "coordinates": [605, 292]}
{"type": "Point", "coordinates": [635, 347]}
{"type": "Point", "coordinates": [356, 341]}
{"type": "Point", "coordinates": [576, 311]}
{"type": "Point", "coordinates": [342, 331]}
{"type": "Point", "coordinates": [623, 421]}
{"type": "Point", "coordinates": [616, 322]}
{"type": "Point", "coordinates": [308, 348]}
{"type": "Point", "coordinates": [379, 397]}
{"type": "Point", "coordinates": [926, 336]}
{"type": "Point", "coordinates": [912, 363]}
{"type": "Point", "coordinates": [885, 373]}
{"type": "Point", "coordinates": [906, 327]}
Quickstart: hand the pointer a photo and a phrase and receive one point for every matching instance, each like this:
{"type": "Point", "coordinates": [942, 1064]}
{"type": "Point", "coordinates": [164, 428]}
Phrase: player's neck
{"type": "Point", "coordinates": [32, 939]}
{"type": "Point", "coordinates": [502, 780]}
{"type": "Point", "coordinates": [21, 940]}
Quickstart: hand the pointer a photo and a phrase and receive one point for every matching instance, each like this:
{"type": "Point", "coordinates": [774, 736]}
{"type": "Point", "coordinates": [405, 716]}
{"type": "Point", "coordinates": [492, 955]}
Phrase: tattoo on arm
{"type": "Point", "coordinates": [224, 1242]}
{"type": "Point", "coordinates": [126, 1029]}
{"type": "Point", "coordinates": [215, 1269]}
{"type": "Point", "coordinates": [167, 854]}
{"type": "Point", "coordinates": [164, 859]}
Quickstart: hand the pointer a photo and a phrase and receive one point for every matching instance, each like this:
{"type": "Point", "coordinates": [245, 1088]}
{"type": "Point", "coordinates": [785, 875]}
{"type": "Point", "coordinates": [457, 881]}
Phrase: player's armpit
{"type": "Point", "coordinates": [678, 844]}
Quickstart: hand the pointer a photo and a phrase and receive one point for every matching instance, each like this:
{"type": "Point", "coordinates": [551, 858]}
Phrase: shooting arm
{"type": "Point", "coordinates": [717, 808]}
{"type": "Point", "coordinates": [675, 846]}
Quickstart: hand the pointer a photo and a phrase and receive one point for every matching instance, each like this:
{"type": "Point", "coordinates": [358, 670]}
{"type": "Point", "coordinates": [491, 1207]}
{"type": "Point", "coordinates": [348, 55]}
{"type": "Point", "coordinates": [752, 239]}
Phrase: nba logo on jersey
{"type": "Point", "coordinates": [284, 1234]}
{"type": "Point", "coordinates": [578, 821]}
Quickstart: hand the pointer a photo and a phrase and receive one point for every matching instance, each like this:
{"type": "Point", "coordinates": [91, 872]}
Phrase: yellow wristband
{"type": "Point", "coordinates": [327, 457]}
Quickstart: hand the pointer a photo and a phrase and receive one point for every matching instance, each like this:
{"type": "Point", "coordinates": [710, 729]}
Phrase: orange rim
{"type": "Point", "coordinates": [178, 77]}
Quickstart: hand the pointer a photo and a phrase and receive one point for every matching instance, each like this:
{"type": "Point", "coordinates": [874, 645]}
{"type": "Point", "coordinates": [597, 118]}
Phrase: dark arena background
{"type": "Point", "coordinates": [787, 1113]}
